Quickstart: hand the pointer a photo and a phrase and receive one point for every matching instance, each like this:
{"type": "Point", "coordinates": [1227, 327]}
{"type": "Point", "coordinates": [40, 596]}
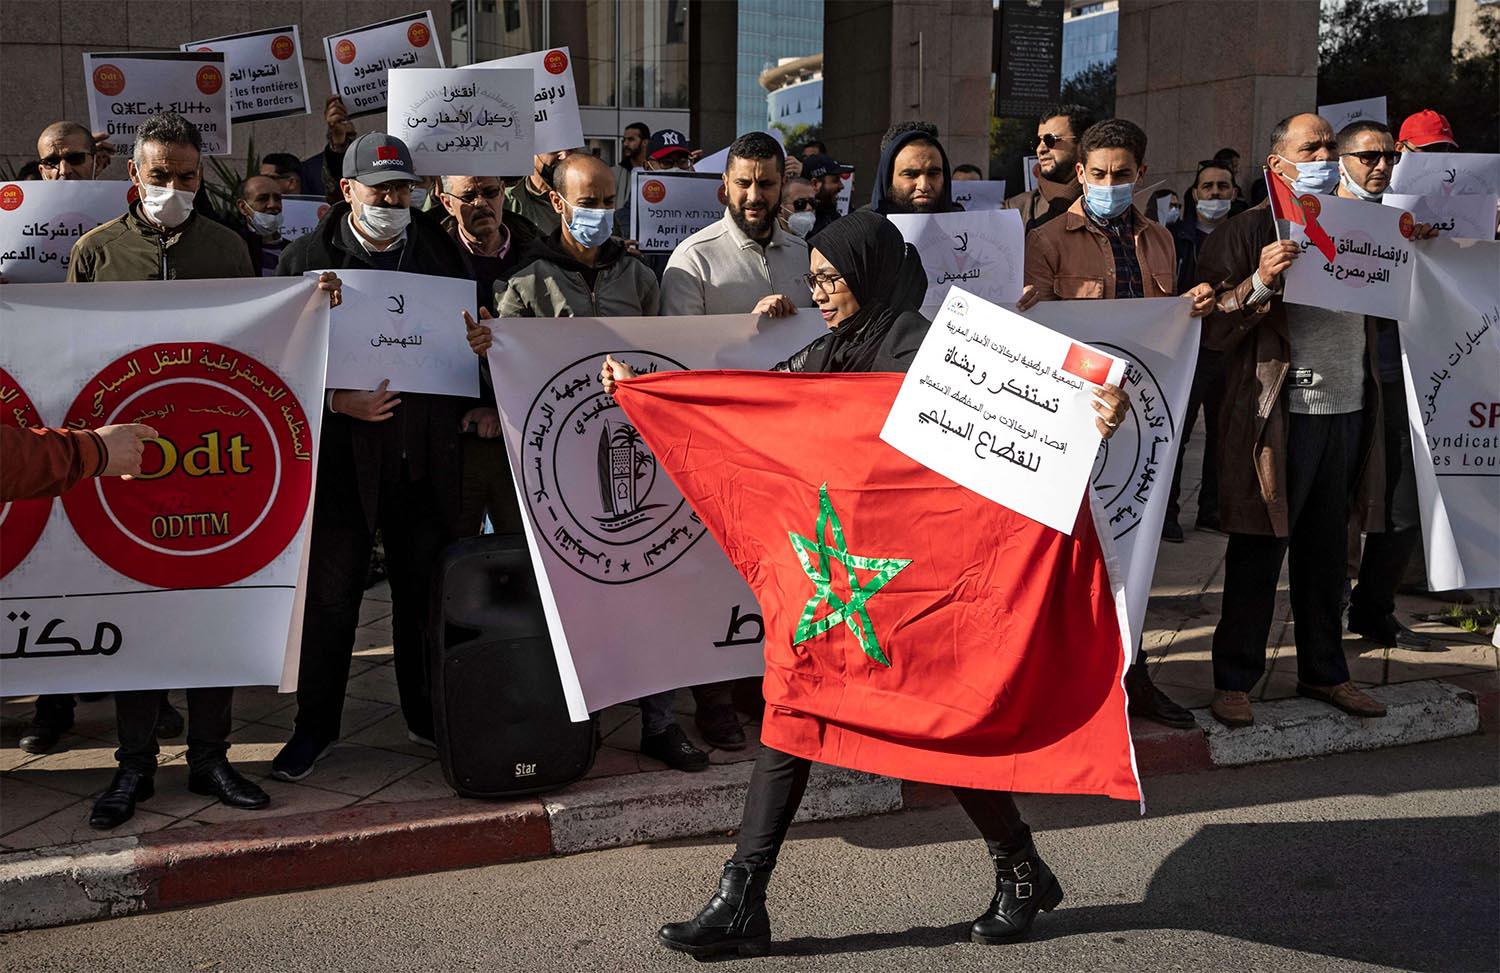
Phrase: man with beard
{"type": "Point", "coordinates": [532, 196]}
{"type": "Point", "coordinates": [827, 178]}
{"type": "Point", "coordinates": [913, 175]}
{"type": "Point", "coordinates": [1057, 186]}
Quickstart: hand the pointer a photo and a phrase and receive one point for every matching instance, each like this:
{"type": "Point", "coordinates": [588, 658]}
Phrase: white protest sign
{"type": "Point", "coordinates": [1463, 217]}
{"type": "Point", "coordinates": [463, 121]}
{"type": "Point", "coordinates": [1450, 347]}
{"type": "Point", "coordinates": [979, 194]}
{"type": "Point", "coordinates": [553, 97]}
{"type": "Point", "coordinates": [40, 222]}
{"type": "Point", "coordinates": [1029, 169]}
{"type": "Point", "coordinates": [638, 598]}
{"type": "Point", "coordinates": [405, 329]}
{"type": "Point", "coordinates": [1003, 406]}
{"type": "Point", "coordinates": [266, 79]}
{"type": "Point", "coordinates": [1363, 110]}
{"type": "Point", "coordinates": [1365, 263]}
{"type": "Point", "coordinates": [842, 201]}
{"type": "Point", "coordinates": [360, 60]}
{"type": "Point", "coordinates": [1446, 174]}
{"type": "Point", "coordinates": [718, 161]}
{"type": "Point", "coordinates": [126, 88]}
{"type": "Point", "coordinates": [982, 252]}
{"type": "Point", "coordinates": [301, 214]}
{"type": "Point", "coordinates": [191, 573]}
{"type": "Point", "coordinates": [668, 207]}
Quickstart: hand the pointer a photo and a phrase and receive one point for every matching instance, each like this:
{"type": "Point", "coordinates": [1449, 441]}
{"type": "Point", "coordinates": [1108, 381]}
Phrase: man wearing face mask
{"type": "Point", "coordinates": [66, 150]}
{"type": "Point", "coordinates": [798, 202]}
{"type": "Point", "coordinates": [1295, 457]}
{"type": "Point", "coordinates": [1057, 134]}
{"type": "Point", "coordinates": [532, 196]}
{"type": "Point", "coordinates": [259, 205]}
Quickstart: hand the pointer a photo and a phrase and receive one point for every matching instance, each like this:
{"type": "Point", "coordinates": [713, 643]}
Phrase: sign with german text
{"type": "Point", "coordinates": [129, 87]}
{"type": "Point", "coordinates": [40, 222]}
{"type": "Point", "coordinates": [266, 78]}
{"type": "Point", "coordinates": [360, 60]}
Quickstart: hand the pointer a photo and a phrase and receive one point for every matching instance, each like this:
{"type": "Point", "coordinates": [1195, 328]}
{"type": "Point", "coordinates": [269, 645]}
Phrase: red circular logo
{"type": "Point", "coordinates": [109, 80]}
{"type": "Point", "coordinates": [210, 79]}
{"type": "Point", "coordinates": [21, 521]}
{"type": "Point", "coordinates": [11, 196]}
{"type": "Point", "coordinates": [1408, 222]}
{"type": "Point", "coordinates": [281, 48]}
{"type": "Point", "coordinates": [205, 50]}
{"type": "Point", "coordinates": [653, 191]}
{"type": "Point", "coordinates": [556, 62]}
{"type": "Point", "coordinates": [344, 51]}
{"type": "Point", "coordinates": [418, 35]}
{"type": "Point", "coordinates": [225, 486]}
{"type": "Point", "coordinates": [1310, 206]}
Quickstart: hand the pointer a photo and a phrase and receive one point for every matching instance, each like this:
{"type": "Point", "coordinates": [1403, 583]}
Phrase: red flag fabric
{"type": "Point", "coordinates": [912, 627]}
{"type": "Point", "coordinates": [1303, 210]}
{"type": "Point", "coordinates": [1091, 366]}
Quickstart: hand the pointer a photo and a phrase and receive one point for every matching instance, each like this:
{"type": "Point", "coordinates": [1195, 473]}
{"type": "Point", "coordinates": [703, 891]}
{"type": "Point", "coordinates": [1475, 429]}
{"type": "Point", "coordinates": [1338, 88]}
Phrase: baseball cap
{"type": "Point", "coordinates": [666, 143]}
{"type": "Point", "coordinates": [376, 158]}
{"type": "Point", "coordinates": [816, 166]}
{"type": "Point", "coordinates": [1427, 127]}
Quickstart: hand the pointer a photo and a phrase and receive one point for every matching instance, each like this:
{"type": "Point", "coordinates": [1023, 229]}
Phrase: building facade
{"type": "Point", "coordinates": [1091, 31]}
{"type": "Point", "coordinates": [770, 30]}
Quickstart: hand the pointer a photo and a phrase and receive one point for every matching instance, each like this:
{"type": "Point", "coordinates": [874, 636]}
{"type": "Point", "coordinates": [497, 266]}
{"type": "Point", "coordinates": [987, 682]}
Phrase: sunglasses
{"type": "Point", "coordinates": [1050, 140]}
{"type": "Point", "coordinates": [804, 204]}
{"type": "Point", "coordinates": [74, 159]}
{"type": "Point", "coordinates": [468, 199]}
{"type": "Point", "coordinates": [1369, 159]}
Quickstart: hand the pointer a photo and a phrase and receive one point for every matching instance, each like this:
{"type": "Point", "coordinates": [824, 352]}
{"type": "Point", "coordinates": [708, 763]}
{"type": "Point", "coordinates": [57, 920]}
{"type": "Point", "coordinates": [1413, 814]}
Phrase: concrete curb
{"type": "Point", "coordinates": [194, 866]}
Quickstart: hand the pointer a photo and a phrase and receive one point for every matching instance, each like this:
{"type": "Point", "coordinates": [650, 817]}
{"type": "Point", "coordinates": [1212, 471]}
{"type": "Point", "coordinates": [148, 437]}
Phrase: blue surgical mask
{"type": "Point", "coordinates": [1107, 202]}
{"type": "Point", "coordinates": [1355, 189]}
{"type": "Point", "coordinates": [1213, 210]}
{"type": "Point", "coordinates": [1318, 178]}
{"type": "Point", "coordinates": [590, 227]}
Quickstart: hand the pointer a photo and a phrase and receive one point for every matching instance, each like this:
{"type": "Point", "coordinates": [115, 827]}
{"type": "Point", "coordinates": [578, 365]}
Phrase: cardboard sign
{"type": "Point", "coordinates": [554, 100]}
{"type": "Point", "coordinates": [40, 222]}
{"type": "Point", "coordinates": [982, 252]}
{"type": "Point", "coordinates": [463, 121]}
{"type": "Point", "coordinates": [1364, 110]}
{"type": "Point", "coordinates": [127, 88]}
{"type": "Point", "coordinates": [1447, 174]}
{"type": "Point", "coordinates": [668, 207]}
{"type": "Point", "coordinates": [979, 194]}
{"type": "Point", "coordinates": [360, 60]}
{"type": "Point", "coordinates": [404, 328]}
{"type": "Point", "coordinates": [1462, 217]}
{"type": "Point", "coordinates": [266, 78]}
{"type": "Point", "coordinates": [1369, 271]}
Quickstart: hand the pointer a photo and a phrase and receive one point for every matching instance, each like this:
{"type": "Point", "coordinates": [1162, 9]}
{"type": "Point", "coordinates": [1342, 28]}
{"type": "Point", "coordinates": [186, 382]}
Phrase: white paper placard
{"type": "Point", "coordinates": [300, 214]}
{"type": "Point", "coordinates": [983, 252]}
{"type": "Point", "coordinates": [979, 194]}
{"type": "Point", "coordinates": [1370, 272]}
{"type": "Point", "coordinates": [1003, 405]}
{"type": "Point", "coordinates": [717, 161]}
{"type": "Point", "coordinates": [403, 328]}
{"type": "Point", "coordinates": [1447, 174]}
{"type": "Point", "coordinates": [1461, 217]}
{"type": "Point", "coordinates": [668, 207]}
{"type": "Point", "coordinates": [360, 60]}
{"type": "Point", "coordinates": [1029, 169]}
{"type": "Point", "coordinates": [463, 121]}
{"type": "Point", "coordinates": [266, 77]}
{"type": "Point", "coordinates": [845, 198]}
{"type": "Point", "coordinates": [554, 99]}
{"type": "Point", "coordinates": [40, 222]}
{"type": "Point", "coordinates": [126, 88]}
{"type": "Point", "coordinates": [1363, 110]}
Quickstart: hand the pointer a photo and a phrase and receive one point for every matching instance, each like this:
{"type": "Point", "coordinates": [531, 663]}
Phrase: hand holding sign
{"type": "Point", "coordinates": [376, 406]}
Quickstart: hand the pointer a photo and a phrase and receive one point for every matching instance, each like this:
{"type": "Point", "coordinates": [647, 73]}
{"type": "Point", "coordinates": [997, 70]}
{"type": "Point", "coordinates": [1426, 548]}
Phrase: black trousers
{"type": "Point", "coordinates": [208, 721]}
{"type": "Point", "coordinates": [1206, 393]}
{"type": "Point", "coordinates": [414, 535]}
{"type": "Point", "coordinates": [1321, 466]}
{"type": "Point", "coordinates": [54, 711]}
{"type": "Point", "coordinates": [1383, 563]}
{"type": "Point", "coordinates": [776, 787]}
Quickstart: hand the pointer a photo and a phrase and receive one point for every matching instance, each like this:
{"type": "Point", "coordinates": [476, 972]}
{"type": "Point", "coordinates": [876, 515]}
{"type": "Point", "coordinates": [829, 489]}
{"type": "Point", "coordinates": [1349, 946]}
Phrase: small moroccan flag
{"type": "Point", "coordinates": [1302, 210]}
{"type": "Point", "coordinates": [912, 627]}
{"type": "Point", "coordinates": [1087, 364]}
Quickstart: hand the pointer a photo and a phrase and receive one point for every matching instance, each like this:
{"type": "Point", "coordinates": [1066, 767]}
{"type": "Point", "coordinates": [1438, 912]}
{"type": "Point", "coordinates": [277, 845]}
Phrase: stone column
{"type": "Point", "coordinates": [713, 30]}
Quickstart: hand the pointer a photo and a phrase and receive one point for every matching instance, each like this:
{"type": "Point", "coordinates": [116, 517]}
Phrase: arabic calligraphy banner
{"type": "Point", "coordinates": [1450, 347]}
{"type": "Point", "coordinates": [638, 599]}
{"type": "Point", "coordinates": [266, 78]}
{"type": "Point", "coordinates": [127, 87]}
{"type": "Point", "coordinates": [1368, 266]}
{"type": "Point", "coordinates": [1345, 112]}
{"type": "Point", "coordinates": [404, 328]}
{"type": "Point", "coordinates": [983, 252]}
{"type": "Point", "coordinates": [190, 574]}
{"type": "Point", "coordinates": [554, 100]}
{"type": "Point", "coordinates": [360, 60]}
{"type": "Point", "coordinates": [668, 207]}
{"type": "Point", "coordinates": [463, 121]}
{"type": "Point", "coordinates": [40, 222]}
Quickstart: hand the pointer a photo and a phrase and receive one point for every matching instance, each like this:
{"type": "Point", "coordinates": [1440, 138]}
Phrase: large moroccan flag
{"type": "Point", "coordinates": [912, 627]}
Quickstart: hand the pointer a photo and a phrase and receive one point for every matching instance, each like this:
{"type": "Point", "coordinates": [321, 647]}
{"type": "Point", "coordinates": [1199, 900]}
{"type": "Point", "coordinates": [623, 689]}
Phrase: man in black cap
{"type": "Point", "coordinates": [827, 177]}
{"type": "Point", "coordinates": [403, 476]}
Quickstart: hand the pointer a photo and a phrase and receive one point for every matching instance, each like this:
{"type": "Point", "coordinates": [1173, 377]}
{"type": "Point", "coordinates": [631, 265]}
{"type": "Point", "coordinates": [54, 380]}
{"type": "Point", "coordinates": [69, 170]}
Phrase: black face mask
{"type": "Point", "coordinates": [548, 171]}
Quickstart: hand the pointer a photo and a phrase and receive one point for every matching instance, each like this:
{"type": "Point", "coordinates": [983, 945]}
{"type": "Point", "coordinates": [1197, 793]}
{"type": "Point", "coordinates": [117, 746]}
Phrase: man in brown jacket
{"type": "Point", "coordinates": [1297, 450]}
{"type": "Point", "coordinates": [1057, 134]}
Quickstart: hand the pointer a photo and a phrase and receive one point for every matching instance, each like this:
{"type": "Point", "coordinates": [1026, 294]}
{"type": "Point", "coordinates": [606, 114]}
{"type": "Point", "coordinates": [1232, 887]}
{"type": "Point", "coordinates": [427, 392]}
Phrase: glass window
{"type": "Point", "coordinates": [654, 54]}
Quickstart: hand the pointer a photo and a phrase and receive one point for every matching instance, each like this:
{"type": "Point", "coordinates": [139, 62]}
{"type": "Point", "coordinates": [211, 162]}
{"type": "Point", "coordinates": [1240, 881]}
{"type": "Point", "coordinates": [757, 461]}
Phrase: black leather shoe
{"type": "Point", "coordinates": [1389, 632]}
{"type": "Point", "coordinates": [1171, 531]}
{"type": "Point", "coordinates": [117, 804]}
{"type": "Point", "coordinates": [720, 727]}
{"type": "Point", "coordinates": [673, 748]}
{"type": "Point", "coordinates": [1151, 703]}
{"type": "Point", "coordinates": [41, 738]}
{"type": "Point", "coordinates": [1024, 886]}
{"type": "Point", "coordinates": [734, 921]}
{"type": "Point", "coordinates": [224, 782]}
{"type": "Point", "coordinates": [169, 722]}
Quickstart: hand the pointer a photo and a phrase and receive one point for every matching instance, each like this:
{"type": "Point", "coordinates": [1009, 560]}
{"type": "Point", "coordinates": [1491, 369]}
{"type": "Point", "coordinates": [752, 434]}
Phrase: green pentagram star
{"type": "Point", "coordinates": [852, 613]}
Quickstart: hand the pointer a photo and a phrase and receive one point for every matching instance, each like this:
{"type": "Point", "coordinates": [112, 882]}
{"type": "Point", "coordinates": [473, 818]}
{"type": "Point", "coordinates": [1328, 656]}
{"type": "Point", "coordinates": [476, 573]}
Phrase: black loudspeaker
{"type": "Point", "coordinates": [502, 723]}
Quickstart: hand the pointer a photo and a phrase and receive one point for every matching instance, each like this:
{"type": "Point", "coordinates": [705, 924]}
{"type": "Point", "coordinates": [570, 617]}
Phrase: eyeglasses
{"type": "Point", "coordinates": [1050, 140]}
{"type": "Point", "coordinates": [74, 159]}
{"type": "Point", "coordinates": [1369, 159]}
{"type": "Point", "coordinates": [803, 204]}
{"type": "Point", "coordinates": [469, 198]}
{"type": "Point", "coordinates": [827, 283]}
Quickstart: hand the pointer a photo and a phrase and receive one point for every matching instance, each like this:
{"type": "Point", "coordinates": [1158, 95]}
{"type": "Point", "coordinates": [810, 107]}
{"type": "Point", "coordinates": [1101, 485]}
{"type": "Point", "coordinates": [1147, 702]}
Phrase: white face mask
{"type": "Point", "coordinates": [801, 222]}
{"type": "Point", "coordinates": [418, 197]}
{"type": "Point", "coordinates": [1213, 210]}
{"type": "Point", "coordinates": [166, 206]}
{"type": "Point", "coordinates": [266, 224]}
{"type": "Point", "coordinates": [384, 222]}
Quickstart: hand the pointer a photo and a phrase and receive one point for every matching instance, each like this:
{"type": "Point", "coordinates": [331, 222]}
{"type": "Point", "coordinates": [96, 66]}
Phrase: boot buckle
{"type": "Point", "coordinates": [1020, 886]}
{"type": "Point", "coordinates": [1023, 870]}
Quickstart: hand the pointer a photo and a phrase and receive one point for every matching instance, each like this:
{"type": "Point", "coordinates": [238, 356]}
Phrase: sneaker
{"type": "Point", "coordinates": [297, 757]}
{"type": "Point", "coordinates": [673, 748]}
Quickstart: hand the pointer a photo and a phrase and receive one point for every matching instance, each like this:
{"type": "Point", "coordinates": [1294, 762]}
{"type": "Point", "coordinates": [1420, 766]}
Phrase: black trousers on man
{"type": "Point", "coordinates": [776, 786]}
{"type": "Point", "coordinates": [1386, 554]}
{"type": "Point", "coordinates": [1322, 464]}
{"type": "Point", "coordinates": [208, 720]}
{"type": "Point", "coordinates": [1207, 392]}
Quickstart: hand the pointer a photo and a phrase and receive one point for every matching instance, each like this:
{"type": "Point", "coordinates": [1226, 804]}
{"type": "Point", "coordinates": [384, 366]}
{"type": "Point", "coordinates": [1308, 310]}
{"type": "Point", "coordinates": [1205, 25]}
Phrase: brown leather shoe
{"type": "Point", "coordinates": [1231, 708]}
{"type": "Point", "coordinates": [1345, 696]}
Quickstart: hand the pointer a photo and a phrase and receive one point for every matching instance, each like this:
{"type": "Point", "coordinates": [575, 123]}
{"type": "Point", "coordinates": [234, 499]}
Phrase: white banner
{"type": "Point", "coordinates": [979, 194]}
{"type": "Point", "coordinates": [984, 253]}
{"type": "Point", "coordinates": [266, 78]}
{"type": "Point", "coordinates": [1450, 346]}
{"type": "Point", "coordinates": [638, 598]}
{"type": "Point", "coordinates": [189, 574]}
{"type": "Point", "coordinates": [127, 87]}
{"type": "Point", "coordinates": [1002, 405]}
{"type": "Point", "coordinates": [360, 60]}
{"type": "Point", "coordinates": [463, 121]}
{"type": "Point", "coordinates": [1447, 174]}
{"type": "Point", "coordinates": [668, 207]}
{"type": "Point", "coordinates": [40, 222]}
{"type": "Point", "coordinates": [300, 215]}
{"type": "Point", "coordinates": [553, 98]}
{"type": "Point", "coordinates": [1363, 110]}
{"type": "Point", "coordinates": [1463, 217]}
{"type": "Point", "coordinates": [1369, 271]}
{"type": "Point", "coordinates": [403, 328]}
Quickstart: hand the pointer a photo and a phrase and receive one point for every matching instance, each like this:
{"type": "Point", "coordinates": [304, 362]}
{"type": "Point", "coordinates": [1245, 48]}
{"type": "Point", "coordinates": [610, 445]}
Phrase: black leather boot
{"type": "Point", "coordinates": [117, 804]}
{"type": "Point", "coordinates": [1024, 886]}
{"type": "Point", "coordinates": [734, 921]}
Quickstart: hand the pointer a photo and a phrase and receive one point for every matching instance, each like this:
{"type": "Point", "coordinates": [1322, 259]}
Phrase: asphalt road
{"type": "Point", "coordinates": [1385, 860]}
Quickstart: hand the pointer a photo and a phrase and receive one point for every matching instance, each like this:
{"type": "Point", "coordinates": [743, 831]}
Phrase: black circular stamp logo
{"type": "Point", "coordinates": [596, 494]}
{"type": "Point", "coordinates": [1133, 462]}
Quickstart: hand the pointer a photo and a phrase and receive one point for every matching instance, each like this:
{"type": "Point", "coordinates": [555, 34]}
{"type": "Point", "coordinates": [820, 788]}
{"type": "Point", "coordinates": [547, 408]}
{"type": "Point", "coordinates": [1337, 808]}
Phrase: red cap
{"type": "Point", "coordinates": [1427, 127]}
